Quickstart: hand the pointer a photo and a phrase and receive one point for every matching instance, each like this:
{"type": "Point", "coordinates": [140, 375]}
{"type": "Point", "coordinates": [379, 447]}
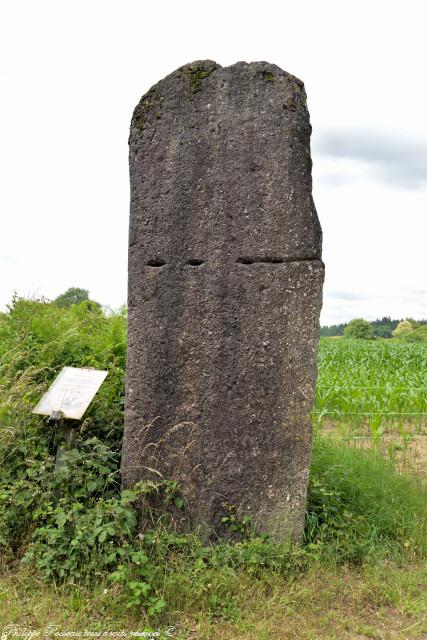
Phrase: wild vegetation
{"type": "Point", "coordinates": [74, 536]}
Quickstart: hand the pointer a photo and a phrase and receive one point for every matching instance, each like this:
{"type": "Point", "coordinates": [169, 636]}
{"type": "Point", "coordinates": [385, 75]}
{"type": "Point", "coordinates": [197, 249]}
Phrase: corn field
{"type": "Point", "coordinates": [372, 386]}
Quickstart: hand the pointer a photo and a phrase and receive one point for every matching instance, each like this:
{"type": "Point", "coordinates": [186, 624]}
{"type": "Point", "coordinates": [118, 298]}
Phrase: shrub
{"type": "Point", "coordinates": [404, 328]}
{"type": "Point", "coordinates": [359, 329]}
{"type": "Point", "coordinates": [37, 339]}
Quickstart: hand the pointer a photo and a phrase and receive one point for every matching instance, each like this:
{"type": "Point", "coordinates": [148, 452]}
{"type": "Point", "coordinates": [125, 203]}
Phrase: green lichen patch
{"type": "Point", "coordinates": [151, 103]}
{"type": "Point", "coordinates": [268, 76]}
{"type": "Point", "coordinates": [196, 75]}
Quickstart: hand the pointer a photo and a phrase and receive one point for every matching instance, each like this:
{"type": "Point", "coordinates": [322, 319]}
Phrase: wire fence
{"type": "Point", "coordinates": [338, 413]}
{"type": "Point", "coordinates": [383, 436]}
{"type": "Point", "coordinates": [387, 387]}
{"type": "Point", "coordinates": [345, 415]}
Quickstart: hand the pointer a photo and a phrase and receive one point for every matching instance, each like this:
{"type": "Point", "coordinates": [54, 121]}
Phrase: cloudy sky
{"type": "Point", "coordinates": [72, 71]}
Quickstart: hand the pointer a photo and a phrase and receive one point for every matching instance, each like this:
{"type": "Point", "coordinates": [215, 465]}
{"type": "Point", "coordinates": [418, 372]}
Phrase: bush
{"type": "Point", "coordinates": [403, 329]}
{"type": "Point", "coordinates": [359, 329]}
{"type": "Point", "coordinates": [37, 339]}
{"type": "Point", "coordinates": [419, 334]}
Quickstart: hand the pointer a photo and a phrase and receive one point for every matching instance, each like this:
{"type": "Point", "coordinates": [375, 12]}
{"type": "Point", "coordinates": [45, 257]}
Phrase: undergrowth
{"type": "Point", "coordinates": [77, 526]}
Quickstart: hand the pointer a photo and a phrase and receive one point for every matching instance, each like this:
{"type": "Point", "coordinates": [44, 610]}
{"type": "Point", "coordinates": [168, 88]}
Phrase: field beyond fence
{"type": "Point", "coordinates": [374, 393]}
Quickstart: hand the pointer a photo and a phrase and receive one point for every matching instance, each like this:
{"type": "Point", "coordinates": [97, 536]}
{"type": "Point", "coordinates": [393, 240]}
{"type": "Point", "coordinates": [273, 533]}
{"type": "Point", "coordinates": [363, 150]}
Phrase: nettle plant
{"type": "Point", "coordinates": [80, 535]}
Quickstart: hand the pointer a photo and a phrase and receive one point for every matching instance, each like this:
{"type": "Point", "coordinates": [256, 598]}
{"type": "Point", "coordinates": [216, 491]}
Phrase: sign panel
{"type": "Point", "coordinates": [71, 392]}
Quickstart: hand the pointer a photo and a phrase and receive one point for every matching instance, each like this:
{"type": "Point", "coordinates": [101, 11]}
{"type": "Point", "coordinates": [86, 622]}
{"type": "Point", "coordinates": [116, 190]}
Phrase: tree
{"type": "Point", "coordinates": [333, 330]}
{"type": "Point", "coordinates": [414, 324]}
{"type": "Point", "coordinates": [420, 334]}
{"type": "Point", "coordinates": [383, 331]}
{"type": "Point", "coordinates": [383, 327]}
{"type": "Point", "coordinates": [403, 329]}
{"type": "Point", "coordinates": [74, 295]}
{"type": "Point", "coordinates": [359, 329]}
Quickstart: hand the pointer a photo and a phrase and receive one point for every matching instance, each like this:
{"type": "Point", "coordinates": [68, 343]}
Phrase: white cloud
{"type": "Point", "coordinates": [400, 161]}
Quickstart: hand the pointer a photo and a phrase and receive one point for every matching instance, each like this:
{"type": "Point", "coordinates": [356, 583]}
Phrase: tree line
{"type": "Point", "coordinates": [381, 328]}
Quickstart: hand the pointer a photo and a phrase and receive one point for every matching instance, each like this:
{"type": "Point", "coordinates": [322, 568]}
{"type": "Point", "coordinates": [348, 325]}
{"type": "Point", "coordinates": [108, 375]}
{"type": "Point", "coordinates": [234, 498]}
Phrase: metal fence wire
{"type": "Point", "coordinates": [366, 414]}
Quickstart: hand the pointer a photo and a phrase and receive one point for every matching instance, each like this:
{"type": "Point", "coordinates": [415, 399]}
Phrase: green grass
{"type": "Point", "coordinates": [376, 601]}
{"type": "Point", "coordinates": [360, 508]}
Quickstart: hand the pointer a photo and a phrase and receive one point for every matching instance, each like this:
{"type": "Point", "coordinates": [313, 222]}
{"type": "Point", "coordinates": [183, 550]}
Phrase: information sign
{"type": "Point", "coordinates": [71, 392]}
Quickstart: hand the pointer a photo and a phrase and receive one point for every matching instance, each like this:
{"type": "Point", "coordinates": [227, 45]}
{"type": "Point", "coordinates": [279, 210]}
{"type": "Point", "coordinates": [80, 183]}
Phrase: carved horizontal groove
{"type": "Point", "coordinates": [271, 260]}
{"type": "Point", "coordinates": [155, 263]}
{"type": "Point", "coordinates": [195, 263]}
{"type": "Point", "coordinates": [254, 259]}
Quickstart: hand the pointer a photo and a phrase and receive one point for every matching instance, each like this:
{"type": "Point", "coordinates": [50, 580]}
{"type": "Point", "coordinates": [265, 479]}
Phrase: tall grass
{"type": "Point", "coordinates": [359, 508]}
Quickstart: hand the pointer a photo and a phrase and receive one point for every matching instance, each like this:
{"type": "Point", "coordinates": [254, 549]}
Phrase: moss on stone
{"type": "Point", "coordinates": [268, 76]}
{"type": "Point", "coordinates": [151, 102]}
{"type": "Point", "coordinates": [196, 75]}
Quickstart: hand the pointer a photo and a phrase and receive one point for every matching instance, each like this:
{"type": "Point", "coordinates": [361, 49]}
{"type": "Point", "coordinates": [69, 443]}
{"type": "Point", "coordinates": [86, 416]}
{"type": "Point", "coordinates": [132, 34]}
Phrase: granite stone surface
{"type": "Point", "coordinates": [225, 290]}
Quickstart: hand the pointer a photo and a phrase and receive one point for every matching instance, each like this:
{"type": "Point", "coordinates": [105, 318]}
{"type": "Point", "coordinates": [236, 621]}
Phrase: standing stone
{"type": "Point", "coordinates": [225, 286]}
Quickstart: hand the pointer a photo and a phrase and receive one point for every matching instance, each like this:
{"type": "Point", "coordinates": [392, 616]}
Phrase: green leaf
{"type": "Point", "coordinates": [102, 536]}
